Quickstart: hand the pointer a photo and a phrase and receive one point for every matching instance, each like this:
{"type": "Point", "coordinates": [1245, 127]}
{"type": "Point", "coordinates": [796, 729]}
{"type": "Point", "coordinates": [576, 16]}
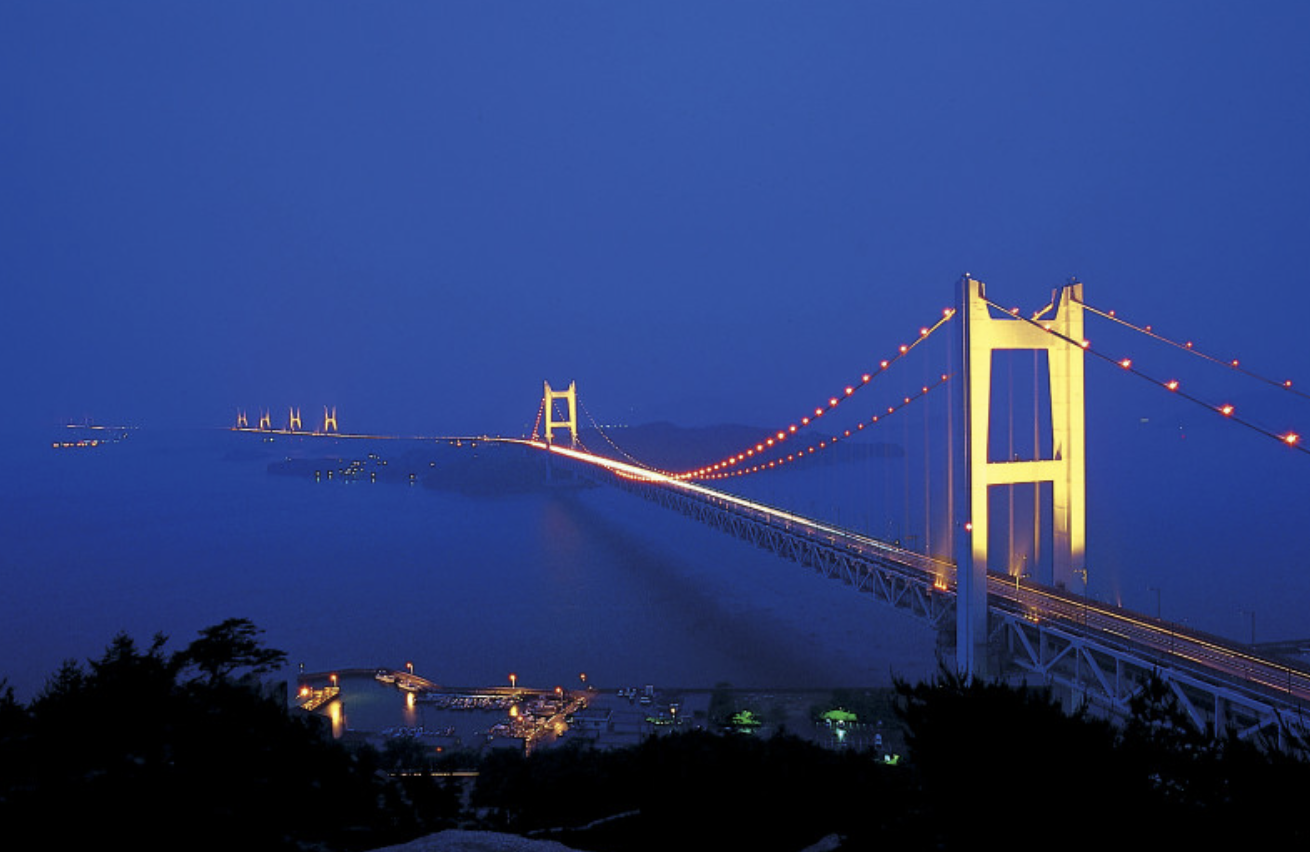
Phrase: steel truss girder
{"type": "Point", "coordinates": [906, 589]}
{"type": "Point", "coordinates": [1110, 676]}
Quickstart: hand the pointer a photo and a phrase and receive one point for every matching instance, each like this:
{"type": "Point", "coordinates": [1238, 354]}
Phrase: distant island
{"type": "Point", "coordinates": [487, 468]}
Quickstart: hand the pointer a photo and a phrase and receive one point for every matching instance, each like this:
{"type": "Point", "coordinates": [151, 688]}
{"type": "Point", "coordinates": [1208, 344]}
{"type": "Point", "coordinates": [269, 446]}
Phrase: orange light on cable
{"type": "Point", "coordinates": [1291, 438]}
{"type": "Point", "coordinates": [1126, 363]}
{"type": "Point", "coordinates": [1172, 384]}
{"type": "Point", "coordinates": [1226, 410]}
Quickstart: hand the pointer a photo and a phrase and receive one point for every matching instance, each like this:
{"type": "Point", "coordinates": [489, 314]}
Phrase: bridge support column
{"type": "Point", "coordinates": [570, 397]}
{"type": "Point", "coordinates": [982, 334]}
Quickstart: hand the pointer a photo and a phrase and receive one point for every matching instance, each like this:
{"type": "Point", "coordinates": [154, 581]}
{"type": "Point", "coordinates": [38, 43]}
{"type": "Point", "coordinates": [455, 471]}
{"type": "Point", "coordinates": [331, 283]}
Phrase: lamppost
{"type": "Point", "coordinates": [1082, 572]}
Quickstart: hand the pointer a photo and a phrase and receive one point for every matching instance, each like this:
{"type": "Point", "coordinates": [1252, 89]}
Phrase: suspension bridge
{"type": "Point", "coordinates": [995, 557]}
{"type": "Point", "coordinates": [1000, 568]}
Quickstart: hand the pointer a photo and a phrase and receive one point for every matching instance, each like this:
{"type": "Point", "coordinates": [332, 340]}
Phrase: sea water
{"type": "Point", "coordinates": [171, 532]}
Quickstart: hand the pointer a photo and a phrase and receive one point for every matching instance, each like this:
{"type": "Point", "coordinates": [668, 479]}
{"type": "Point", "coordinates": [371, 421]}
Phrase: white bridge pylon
{"type": "Point", "coordinates": [570, 397]}
{"type": "Point", "coordinates": [981, 334]}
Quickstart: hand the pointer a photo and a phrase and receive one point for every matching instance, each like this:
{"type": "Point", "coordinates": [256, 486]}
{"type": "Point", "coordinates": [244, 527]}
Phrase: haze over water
{"type": "Point", "coordinates": [165, 533]}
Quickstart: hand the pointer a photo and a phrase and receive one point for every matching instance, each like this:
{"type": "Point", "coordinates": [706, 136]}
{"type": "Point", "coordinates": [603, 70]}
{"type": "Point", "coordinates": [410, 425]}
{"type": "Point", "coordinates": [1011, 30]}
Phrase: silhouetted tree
{"type": "Point", "coordinates": [224, 648]}
{"type": "Point", "coordinates": [124, 753]}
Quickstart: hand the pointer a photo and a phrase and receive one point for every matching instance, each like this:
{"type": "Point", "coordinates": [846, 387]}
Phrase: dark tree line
{"type": "Point", "coordinates": [146, 749]}
{"type": "Point", "coordinates": [986, 762]}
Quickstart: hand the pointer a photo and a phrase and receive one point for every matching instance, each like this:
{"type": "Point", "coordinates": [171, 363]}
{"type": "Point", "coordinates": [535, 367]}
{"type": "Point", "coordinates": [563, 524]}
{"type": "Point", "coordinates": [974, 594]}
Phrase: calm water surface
{"type": "Point", "coordinates": [172, 532]}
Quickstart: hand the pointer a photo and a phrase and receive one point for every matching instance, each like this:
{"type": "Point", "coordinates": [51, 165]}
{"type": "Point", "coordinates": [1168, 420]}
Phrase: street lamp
{"type": "Point", "coordinates": [1082, 572]}
{"type": "Point", "coordinates": [513, 680]}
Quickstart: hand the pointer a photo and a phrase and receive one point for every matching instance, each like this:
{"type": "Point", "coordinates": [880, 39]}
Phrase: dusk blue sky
{"type": "Point", "coordinates": [417, 212]}
{"type": "Point", "coordinates": [705, 212]}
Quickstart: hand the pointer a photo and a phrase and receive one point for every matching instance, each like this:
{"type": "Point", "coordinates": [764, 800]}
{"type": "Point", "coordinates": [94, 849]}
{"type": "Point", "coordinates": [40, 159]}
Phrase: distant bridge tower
{"type": "Point", "coordinates": [1061, 337]}
{"type": "Point", "coordinates": [265, 422]}
{"type": "Point", "coordinates": [293, 419]}
{"type": "Point", "coordinates": [329, 420]}
{"type": "Point", "coordinates": [241, 420]}
{"type": "Point", "coordinates": [571, 397]}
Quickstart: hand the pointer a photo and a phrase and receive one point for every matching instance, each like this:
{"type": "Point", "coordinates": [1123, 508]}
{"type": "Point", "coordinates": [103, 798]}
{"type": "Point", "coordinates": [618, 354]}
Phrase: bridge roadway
{"type": "Point", "coordinates": [1159, 643]}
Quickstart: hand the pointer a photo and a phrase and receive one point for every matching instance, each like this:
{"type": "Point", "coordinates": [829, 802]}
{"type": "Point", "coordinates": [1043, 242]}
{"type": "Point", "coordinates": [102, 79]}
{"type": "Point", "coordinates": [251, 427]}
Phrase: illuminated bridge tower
{"type": "Point", "coordinates": [329, 419]}
{"type": "Point", "coordinates": [293, 419]}
{"type": "Point", "coordinates": [1060, 336]}
{"type": "Point", "coordinates": [570, 396]}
